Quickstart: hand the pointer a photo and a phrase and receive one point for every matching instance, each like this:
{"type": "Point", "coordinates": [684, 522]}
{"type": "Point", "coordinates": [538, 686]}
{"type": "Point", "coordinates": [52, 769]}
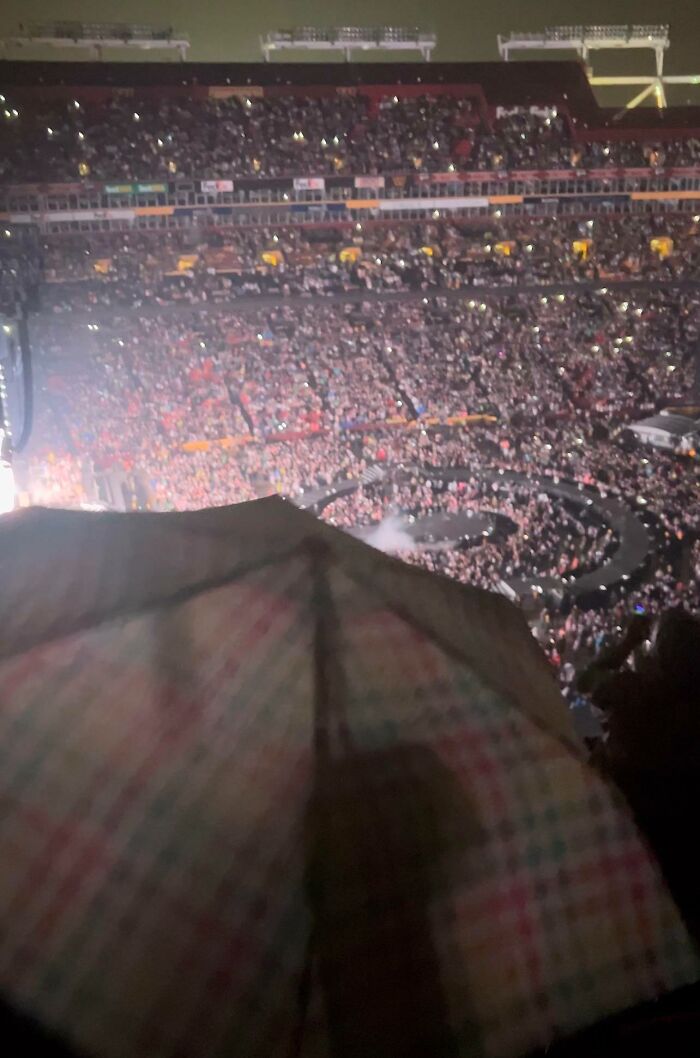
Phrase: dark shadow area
{"type": "Point", "coordinates": [667, 1026]}
{"type": "Point", "coordinates": [387, 831]}
{"type": "Point", "coordinates": [22, 1036]}
{"type": "Point", "coordinates": [652, 751]}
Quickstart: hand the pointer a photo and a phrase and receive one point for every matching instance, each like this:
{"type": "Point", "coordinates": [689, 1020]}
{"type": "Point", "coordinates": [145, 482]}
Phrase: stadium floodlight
{"type": "Point", "coordinates": [347, 39]}
{"type": "Point", "coordinates": [585, 39]}
{"type": "Point", "coordinates": [97, 36]}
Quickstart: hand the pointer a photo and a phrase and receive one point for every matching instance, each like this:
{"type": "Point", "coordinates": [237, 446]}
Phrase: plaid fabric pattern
{"type": "Point", "coordinates": [287, 773]}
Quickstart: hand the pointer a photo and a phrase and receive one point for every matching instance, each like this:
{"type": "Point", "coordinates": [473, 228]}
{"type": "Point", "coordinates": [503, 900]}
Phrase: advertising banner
{"type": "Point", "coordinates": [212, 186]}
{"type": "Point", "coordinates": [309, 183]}
{"type": "Point", "coordinates": [369, 182]}
{"type": "Point", "coordinates": [89, 214]}
{"type": "Point", "coordinates": [394, 205]}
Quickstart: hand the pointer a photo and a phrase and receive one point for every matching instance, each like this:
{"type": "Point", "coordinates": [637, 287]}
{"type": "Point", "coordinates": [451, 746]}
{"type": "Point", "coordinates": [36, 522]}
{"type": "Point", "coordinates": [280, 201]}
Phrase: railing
{"type": "Point", "coordinates": [290, 188]}
{"type": "Point", "coordinates": [348, 200]}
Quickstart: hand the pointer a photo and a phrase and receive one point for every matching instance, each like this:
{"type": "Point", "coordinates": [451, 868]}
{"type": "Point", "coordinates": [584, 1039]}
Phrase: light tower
{"type": "Point", "coordinates": [585, 39]}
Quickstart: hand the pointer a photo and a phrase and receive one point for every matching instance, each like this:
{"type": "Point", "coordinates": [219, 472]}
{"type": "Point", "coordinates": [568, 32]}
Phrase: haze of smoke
{"type": "Point", "coordinates": [390, 536]}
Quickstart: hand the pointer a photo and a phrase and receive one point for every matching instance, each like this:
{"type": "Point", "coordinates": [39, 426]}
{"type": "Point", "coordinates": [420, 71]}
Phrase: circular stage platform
{"type": "Point", "coordinates": [432, 532]}
{"type": "Point", "coordinates": [629, 558]}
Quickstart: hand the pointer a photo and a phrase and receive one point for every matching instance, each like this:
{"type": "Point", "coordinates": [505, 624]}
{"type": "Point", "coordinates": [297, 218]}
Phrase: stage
{"type": "Point", "coordinates": [431, 532]}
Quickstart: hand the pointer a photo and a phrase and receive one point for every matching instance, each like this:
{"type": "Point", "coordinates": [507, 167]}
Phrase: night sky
{"type": "Point", "coordinates": [229, 29]}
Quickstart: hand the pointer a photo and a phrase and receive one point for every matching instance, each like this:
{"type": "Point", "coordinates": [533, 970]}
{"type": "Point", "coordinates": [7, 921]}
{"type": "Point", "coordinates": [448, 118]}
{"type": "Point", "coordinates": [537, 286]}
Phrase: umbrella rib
{"type": "Point", "coordinates": [410, 618]}
{"type": "Point", "coordinates": [320, 603]}
{"type": "Point", "coordinates": [329, 694]}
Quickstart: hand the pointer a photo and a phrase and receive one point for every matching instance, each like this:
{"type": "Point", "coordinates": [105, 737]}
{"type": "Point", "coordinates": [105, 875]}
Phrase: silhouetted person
{"type": "Point", "coordinates": [653, 746]}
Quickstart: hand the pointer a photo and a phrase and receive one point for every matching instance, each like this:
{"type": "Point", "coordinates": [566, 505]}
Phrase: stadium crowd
{"type": "Point", "coordinates": [540, 536]}
{"type": "Point", "coordinates": [152, 137]}
{"type": "Point", "coordinates": [200, 408]}
{"type": "Point", "coordinates": [295, 366]}
{"type": "Point", "coordinates": [155, 360]}
{"type": "Point", "coordinates": [133, 269]}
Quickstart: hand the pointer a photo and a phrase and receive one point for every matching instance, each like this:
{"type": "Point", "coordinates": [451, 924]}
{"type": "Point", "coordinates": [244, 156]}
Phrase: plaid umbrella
{"type": "Point", "coordinates": [268, 792]}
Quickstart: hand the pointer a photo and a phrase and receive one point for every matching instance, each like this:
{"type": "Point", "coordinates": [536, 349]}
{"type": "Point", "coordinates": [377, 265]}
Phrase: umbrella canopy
{"type": "Point", "coordinates": [268, 792]}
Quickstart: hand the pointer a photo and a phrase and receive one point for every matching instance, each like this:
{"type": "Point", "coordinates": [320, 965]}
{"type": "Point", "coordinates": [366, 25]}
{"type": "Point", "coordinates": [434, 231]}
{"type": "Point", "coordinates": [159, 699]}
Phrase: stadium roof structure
{"type": "Point", "coordinates": [677, 426]}
{"type": "Point", "coordinates": [508, 85]}
{"type": "Point", "coordinates": [269, 791]}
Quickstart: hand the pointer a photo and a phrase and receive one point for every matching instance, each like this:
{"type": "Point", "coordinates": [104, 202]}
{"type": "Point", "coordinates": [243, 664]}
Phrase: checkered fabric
{"type": "Point", "coordinates": [274, 794]}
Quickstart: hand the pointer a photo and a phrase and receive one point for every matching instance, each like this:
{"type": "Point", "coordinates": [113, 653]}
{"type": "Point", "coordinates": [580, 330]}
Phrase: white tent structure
{"type": "Point", "coordinates": [676, 433]}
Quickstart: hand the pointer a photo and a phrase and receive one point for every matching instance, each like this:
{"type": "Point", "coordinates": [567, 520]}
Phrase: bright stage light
{"type": "Point", "coordinates": [7, 488]}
